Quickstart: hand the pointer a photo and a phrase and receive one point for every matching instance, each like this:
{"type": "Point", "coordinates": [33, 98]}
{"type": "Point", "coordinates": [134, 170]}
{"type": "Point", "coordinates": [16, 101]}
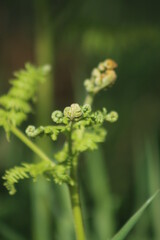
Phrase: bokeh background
{"type": "Point", "coordinates": [74, 36]}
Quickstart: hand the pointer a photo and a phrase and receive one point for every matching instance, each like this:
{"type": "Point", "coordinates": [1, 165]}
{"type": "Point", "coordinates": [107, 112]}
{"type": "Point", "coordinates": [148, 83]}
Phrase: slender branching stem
{"type": "Point", "coordinates": [74, 193]}
{"type": "Point", "coordinates": [74, 190]}
{"type": "Point", "coordinates": [89, 99]}
{"type": "Point", "coordinates": [70, 139]}
{"type": "Point", "coordinates": [76, 209]}
{"type": "Point", "coordinates": [31, 145]}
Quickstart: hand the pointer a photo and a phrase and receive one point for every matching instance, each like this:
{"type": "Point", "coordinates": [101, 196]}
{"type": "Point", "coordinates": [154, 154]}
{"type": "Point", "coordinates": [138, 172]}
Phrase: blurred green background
{"type": "Point", "coordinates": [74, 36]}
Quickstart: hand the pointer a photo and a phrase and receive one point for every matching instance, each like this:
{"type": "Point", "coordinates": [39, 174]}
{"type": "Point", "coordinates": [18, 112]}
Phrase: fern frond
{"type": "Point", "coordinates": [63, 154]}
{"type": "Point", "coordinates": [88, 139]}
{"type": "Point", "coordinates": [102, 77]}
{"type": "Point", "coordinates": [8, 118]}
{"type": "Point", "coordinates": [17, 103]}
{"type": "Point", "coordinates": [58, 173]}
{"type": "Point", "coordinates": [52, 131]}
{"type": "Point", "coordinates": [9, 102]}
{"type": "Point", "coordinates": [12, 177]}
{"type": "Point", "coordinates": [81, 123]}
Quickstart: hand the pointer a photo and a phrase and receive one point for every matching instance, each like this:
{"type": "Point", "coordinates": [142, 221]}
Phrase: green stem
{"type": "Point", "coordinates": [31, 145]}
{"type": "Point", "coordinates": [74, 193]}
{"type": "Point", "coordinates": [89, 99]}
{"type": "Point", "coordinates": [76, 209]}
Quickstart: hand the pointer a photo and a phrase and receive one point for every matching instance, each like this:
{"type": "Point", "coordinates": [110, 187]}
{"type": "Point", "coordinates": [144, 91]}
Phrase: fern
{"type": "Point", "coordinates": [12, 176]}
{"type": "Point", "coordinates": [15, 174]}
{"type": "Point", "coordinates": [82, 128]}
{"type": "Point", "coordinates": [62, 155]}
{"type": "Point", "coordinates": [59, 174]}
{"type": "Point", "coordinates": [85, 130]}
{"type": "Point", "coordinates": [80, 123]}
{"type": "Point", "coordinates": [88, 140]}
{"type": "Point", "coordinates": [16, 105]}
{"type": "Point", "coordinates": [102, 77]}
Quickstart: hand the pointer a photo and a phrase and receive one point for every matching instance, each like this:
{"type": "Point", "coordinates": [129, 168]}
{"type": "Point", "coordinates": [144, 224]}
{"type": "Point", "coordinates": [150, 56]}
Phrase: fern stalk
{"type": "Point", "coordinates": [76, 208]}
{"type": "Point", "coordinates": [89, 99]}
{"type": "Point", "coordinates": [98, 165]}
{"type": "Point", "coordinates": [74, 194]}
{"type": "Point", "coordinates": [74, 190]}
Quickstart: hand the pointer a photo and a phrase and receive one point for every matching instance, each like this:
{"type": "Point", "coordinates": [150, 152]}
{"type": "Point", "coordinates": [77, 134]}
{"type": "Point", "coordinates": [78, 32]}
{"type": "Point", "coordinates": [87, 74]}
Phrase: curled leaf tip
{"type": "Point", "coordinates": [73, 112]}
{"type": "Point", "coordinates": [110, 64]}
{"type": "Point", "coordinates": [32, 131]}
{"type": "Point", "coordinates": [57, 116]}
{"type": "Point", "coordinates": [112, 117]}
{"type": "Point", "coordinates": [86, 108]}
{"type": "Point", "coordinates": [101, 77]}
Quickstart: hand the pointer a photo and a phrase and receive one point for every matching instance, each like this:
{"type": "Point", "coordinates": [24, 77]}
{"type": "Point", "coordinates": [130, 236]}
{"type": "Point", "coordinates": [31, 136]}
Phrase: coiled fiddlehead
{"type": "Point", "coordinates": [102, 77]}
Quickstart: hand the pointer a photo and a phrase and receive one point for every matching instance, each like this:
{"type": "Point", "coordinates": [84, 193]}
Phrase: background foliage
{"type": "Point", "coordinates": [74, 36]}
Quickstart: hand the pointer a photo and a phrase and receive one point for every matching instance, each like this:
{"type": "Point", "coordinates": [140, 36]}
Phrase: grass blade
{"type": "Point", "coordinates": [153, 180]}
{"type": "Point", "coordinates": [133, 220]}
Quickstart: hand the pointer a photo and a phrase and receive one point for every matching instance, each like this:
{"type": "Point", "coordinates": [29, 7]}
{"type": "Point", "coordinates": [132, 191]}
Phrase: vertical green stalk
{"type": "Point", "coordinates": [74, 190]}
{"type": "Point", "coordinates": [76, 208]}
{"type": "Point", "coordinates": [89, 99]}
{"type": "Point", "coordinates": [74, 193]}
{"type": "Point", "coordinates": [40, 191]}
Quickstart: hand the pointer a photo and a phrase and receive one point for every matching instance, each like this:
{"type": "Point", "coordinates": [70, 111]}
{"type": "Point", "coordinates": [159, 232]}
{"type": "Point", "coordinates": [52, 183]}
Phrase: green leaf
{"type": "Point", "coordinates": [14, 175]}
{"type": "Point", "coordinates": [58, 173]}
{"type": "Point", "coordinates": [63, 154]}
{"type": "Point", "coordinates": [9, 102]}
{"type": "Point", "coordinates": [52, 131]}
{"type": "Point", "coordinates": [16, 104]}
{"type": "Point", "coordinates": [123, 232]}
{"type": "Point", "coordinates": [87, 139]}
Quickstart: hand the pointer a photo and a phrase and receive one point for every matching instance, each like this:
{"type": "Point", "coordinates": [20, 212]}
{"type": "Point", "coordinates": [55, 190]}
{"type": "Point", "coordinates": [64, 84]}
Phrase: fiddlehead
{"type": "Point", "coordinates": [102, 77]}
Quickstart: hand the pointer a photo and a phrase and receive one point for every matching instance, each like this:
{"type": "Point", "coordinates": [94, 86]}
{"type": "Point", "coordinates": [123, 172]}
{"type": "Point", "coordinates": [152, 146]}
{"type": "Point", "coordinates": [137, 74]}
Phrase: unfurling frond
{"type": "Point", "coordinates": [52, 131]}
{"type": "Point", "coordinates": [102, 77]}
{"type": "Point", "coordinates": [83, 125]}
{"type": "Point", "coordinates": [79, 117]}
{"type": "Point", "coordinates": [15, 105]}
